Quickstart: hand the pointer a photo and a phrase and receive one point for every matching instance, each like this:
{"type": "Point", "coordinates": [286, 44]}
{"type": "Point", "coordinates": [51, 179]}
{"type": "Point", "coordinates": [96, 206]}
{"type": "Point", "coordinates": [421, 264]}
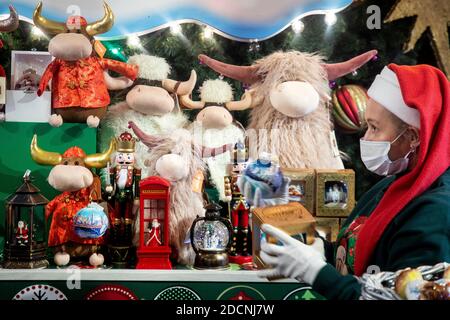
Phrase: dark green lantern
{"type": "Point", "coordinates": [25, 228]}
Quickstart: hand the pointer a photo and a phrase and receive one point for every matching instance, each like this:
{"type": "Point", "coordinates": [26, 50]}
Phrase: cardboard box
{"type": "Point", "coordinates": [292, 218]}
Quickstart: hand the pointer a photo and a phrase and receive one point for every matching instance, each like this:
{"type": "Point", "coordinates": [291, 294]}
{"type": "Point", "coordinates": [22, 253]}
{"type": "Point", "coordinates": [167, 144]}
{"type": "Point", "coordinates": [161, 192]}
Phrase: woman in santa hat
{"type": "Point", "coordinates": [404, 220]}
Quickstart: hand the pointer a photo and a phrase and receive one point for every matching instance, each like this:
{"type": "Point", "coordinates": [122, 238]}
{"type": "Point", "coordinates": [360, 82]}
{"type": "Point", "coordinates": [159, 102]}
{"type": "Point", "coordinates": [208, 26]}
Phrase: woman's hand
{"type": "Point", "coordinates": [293, 259]}
{"type": "Point", "coordinates": [259, 194]}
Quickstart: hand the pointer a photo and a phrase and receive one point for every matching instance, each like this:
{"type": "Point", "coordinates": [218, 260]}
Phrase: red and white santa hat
{"type": "Point", "coordinates": [386, 91]}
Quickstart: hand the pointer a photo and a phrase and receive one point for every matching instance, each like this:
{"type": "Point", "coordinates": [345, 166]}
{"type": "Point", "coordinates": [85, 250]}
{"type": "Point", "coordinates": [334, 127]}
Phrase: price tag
{"type": "Point", "coordinates": [197, 182]}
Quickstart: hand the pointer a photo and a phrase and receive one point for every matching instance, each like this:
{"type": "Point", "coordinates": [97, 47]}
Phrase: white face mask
{"type": "Point", "coordinates": [374, 155]}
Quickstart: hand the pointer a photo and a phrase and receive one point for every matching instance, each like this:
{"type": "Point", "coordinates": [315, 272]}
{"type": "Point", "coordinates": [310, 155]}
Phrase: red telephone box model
{"type": "Point", "coordinates": [154, 249]}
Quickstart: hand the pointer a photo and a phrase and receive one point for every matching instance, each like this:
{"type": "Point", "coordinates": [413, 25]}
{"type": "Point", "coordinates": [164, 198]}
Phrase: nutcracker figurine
{"type": "Point", "coordinates": [239, 209]}
{"type": "Point", "coordinates": [124, 191]}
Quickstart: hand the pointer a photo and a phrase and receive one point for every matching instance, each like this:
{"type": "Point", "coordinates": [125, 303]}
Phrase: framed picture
{"type": "Point", "coordinates": [27, 67]}
{"type": "Point", "coordinates": [335, 193]}
{"type": "Point", "coordinates": [302, 187]}
{"type": "Point", "coordinates": [329, 226]}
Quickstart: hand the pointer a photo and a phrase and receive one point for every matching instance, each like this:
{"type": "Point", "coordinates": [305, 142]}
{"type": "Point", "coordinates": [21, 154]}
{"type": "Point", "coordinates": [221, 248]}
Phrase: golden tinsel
{"type": "Point", "coordinates": [432, 14]}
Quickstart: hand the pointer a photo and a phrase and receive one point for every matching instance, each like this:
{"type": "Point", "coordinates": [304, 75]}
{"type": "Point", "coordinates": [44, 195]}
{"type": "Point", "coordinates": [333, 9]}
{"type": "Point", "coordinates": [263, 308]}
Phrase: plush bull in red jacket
{"type": "Point", "coordinates": [79, 90]}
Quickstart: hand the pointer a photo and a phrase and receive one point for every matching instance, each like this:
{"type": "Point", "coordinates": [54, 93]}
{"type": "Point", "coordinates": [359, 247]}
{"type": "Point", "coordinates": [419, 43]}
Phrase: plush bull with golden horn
{"type": "Point", "coordinates": [289, 100]}
{"type": "Point", "coordinates": [80, 92]}
{"type": "Point", "coordinates": [72, 176]}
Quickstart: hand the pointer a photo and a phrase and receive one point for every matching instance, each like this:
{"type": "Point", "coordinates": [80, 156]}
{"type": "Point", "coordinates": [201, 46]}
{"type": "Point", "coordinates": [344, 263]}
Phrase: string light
{"type": "Point", "coordinates": [330, 18]}
{"type": "Point", "coordinates": [208, 33]}
{"type": "Point", "coordinates": [175, 28]}
{"type": "Point", "coordinates": [134, 41]}
{"type": "Point", "coordinates": [36, 32]}
{"type": "Point", "coordinates": [298, 26]}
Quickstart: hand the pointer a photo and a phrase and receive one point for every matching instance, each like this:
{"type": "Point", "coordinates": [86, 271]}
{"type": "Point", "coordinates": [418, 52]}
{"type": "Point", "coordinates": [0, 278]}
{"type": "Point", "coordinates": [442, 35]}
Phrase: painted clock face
{"type": "Point", "coordinates": [40, 292]}
{"type": "Point", "coordinates": [177, 293]}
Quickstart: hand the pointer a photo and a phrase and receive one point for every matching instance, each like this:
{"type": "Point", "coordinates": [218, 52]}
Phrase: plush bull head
{"type": "Point", "coordinates": [72, 40]}
{"type": "Point", "coordinates": [153, 92]}
{"type": "Point", "coordinates": [177, 153]}
{"type": "Point", "coordinates": [11, 23]}
{"type": "Point", "coordinates": [71, 170]}
{"type": "Point", "coordinates": [216, 103]}
{"type": "Point", "coordinates": [290, 96]}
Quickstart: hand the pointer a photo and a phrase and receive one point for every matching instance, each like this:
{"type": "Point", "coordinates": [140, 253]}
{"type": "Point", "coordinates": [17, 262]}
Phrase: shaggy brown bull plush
{"type": "Point", "coordinates": [290, 116]}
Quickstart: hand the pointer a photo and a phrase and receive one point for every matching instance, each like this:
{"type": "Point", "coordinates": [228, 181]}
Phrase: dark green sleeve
{"type": "Point", "coordinates": [334, 286]}
{"type": "Point", "coordinates": [422, 235]}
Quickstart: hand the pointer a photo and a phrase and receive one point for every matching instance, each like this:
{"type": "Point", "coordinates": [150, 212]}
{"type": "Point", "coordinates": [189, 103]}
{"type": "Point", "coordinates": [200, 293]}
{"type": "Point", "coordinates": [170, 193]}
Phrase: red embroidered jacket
{"type": "Point", "coordinates": [64, 207]}
{"type": "Point", "coordinates": [81, 83]}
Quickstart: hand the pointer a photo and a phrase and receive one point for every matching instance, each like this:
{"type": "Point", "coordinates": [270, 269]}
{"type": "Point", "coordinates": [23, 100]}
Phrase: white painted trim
{"type": "Point", "coordinates": [134, 275]}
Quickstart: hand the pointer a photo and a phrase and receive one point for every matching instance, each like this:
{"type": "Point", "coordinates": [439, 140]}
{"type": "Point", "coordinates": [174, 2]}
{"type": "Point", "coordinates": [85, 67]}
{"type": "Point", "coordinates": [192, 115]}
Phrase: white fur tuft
{"type": "Point", "coordinates": [150, 67]}
{"type": "Point", "coordinates": [218, 91]}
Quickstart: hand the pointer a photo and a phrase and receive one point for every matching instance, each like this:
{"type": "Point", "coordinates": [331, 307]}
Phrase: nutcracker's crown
{"type": "Point", "coordinates": [126, 143]}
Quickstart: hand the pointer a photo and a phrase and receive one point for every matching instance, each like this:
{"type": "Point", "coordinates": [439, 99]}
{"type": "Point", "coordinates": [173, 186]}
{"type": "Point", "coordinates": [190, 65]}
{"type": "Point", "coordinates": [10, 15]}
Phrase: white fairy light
{"type": "Point", "coordinates": [36, 32]}
{"type": "Point", "coordinates": [175, 28]}
{"type": "Point", "coordinates": [298, 26]}
{"type": "Point", "coordinates": [207, 33]}
{"type": "Point", "coordinates": [330, 18]}
{"type": "Point", "coordinates": [134, 41]}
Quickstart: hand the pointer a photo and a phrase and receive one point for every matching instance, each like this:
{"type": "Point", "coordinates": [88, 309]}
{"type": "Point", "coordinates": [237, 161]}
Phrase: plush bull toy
{"type": "Point", "coordinates": [72, 176]}
{"type": "Point", "coordinates": [289, 114]}
{"type": "Point", "coordinates": [7, 25]}
{"type": "Point", "coordinates": [79, 89]}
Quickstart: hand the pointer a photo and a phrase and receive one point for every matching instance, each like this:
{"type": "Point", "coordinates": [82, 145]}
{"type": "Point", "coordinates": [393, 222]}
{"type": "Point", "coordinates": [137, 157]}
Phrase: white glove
{"type": "Point", "coordinates": [259, 195]}
{"type": "Point", "coordinates": [109, 189]}
{"type": "Point", "coordinates": [293, 259]}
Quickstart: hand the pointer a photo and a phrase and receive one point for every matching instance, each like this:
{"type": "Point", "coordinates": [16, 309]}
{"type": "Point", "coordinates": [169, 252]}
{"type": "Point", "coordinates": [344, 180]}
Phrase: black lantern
{"type": "Point", "coordinates": [210, 239]}
{"type": "Point", "coordinates": [25, 236]}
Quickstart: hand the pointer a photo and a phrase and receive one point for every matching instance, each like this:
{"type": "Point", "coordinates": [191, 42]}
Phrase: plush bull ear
{"type": "Point", "coordinates": [243, 104]}
{"type": "Point", "coordinates": [245, 74]}
{"type": "Point", "coordinates": [181, 88]}
{"type": "Point", "coordinates": [100, 160]}
{"type": "Point", "coordinates": [188, 103]}
{"type": "Point", "coordinates": [336, 70]}
{"type": "Point", "coordinates": [43, 157]}
{"type": "Point", "coordinates": [150, 141]}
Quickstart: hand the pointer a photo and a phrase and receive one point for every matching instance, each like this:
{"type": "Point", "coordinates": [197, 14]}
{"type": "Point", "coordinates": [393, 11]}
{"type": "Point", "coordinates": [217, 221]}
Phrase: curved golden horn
{"type": "Point", "coordinates": [103, 25]}
{"type": "Point", "coordinates": [244, 103]}
{"type": "Point", "coordinates": [44, 157]}
{"type": "Point", "coordinates": [181, 88]}
{"type": "Point", "coordinates": [46, 25]}
{"type": "Point", "coordinates": [12, 22]}
{"type": "Point", "coordinates": [100, 160]}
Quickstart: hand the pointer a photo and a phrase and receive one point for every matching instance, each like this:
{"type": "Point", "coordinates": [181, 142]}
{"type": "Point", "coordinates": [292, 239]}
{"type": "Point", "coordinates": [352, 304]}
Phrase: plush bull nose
{"type": "Point", "coordinates": [150, 100]}
{"type": "Point", "coordinates": [215, 117]}
{"type": "Point", "coordinates": [294, 98]}
{"type": "Point", "coordinates": [172, 167]}
{"type": "Point", "coordinates": [70, 46]}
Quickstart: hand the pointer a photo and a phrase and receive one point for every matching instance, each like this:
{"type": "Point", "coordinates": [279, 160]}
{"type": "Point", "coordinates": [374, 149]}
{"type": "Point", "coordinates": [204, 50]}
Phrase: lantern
{"type": "Point", "coordinates": [210, 239]}
{"type": "Point", "coordinates": [25, 234]}
{"type": "Point", "coordinates": [154, 249]}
